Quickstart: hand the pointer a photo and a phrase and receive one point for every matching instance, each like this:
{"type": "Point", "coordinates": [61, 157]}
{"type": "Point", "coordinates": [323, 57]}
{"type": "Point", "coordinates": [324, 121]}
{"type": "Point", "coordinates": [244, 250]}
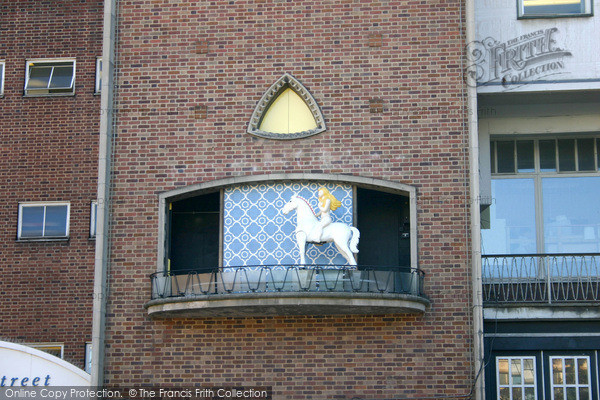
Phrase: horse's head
{"type": "Point", "coordinates": [290, 205]}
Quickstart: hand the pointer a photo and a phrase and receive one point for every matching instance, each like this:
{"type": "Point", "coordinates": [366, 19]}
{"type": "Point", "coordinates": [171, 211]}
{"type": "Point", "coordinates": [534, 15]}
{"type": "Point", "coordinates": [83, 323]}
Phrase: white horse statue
{"type": "Point", "coordinates": [337, 232]}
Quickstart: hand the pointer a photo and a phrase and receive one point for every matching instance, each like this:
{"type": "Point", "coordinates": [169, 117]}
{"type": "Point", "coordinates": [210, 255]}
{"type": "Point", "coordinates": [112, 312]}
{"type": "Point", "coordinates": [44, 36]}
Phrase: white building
{"type": "Point", "coordinates": [538, 69]}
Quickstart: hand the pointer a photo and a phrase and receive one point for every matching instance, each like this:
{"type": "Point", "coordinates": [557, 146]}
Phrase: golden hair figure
{"type": "Point", "coordinates": [335, 203]}
{"type": "Point", "coordinates": [327, 203]}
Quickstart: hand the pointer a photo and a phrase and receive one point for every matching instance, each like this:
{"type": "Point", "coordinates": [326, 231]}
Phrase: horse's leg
{"type": "Point", "coordinates": [301, 240]}
{"type": "Point", "coordinates": [345, 251]}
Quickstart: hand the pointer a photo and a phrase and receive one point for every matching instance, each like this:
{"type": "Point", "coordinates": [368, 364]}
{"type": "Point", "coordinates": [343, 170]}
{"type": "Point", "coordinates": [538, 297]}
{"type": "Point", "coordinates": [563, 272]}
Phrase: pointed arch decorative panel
{"type": "Point", "coordinates": [286, 111]}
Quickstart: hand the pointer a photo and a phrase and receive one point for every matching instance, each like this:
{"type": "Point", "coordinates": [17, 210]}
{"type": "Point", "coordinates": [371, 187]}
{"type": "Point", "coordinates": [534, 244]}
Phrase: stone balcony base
{"type": "Point", "coordinates": [286, 303]}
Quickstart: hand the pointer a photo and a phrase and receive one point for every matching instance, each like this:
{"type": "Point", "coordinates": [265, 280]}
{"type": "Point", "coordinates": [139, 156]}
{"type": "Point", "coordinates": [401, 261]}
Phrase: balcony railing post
{"type": "Point", "coordinates": [548, 279]}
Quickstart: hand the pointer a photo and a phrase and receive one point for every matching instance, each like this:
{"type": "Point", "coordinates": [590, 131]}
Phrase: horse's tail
{"type": "Point", "coordinates": [354, 240]}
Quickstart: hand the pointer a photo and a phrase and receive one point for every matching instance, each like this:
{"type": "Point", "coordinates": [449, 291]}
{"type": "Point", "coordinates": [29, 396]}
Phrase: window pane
{"type": "Point", "coordinates": [93, 219]}
{"type": "Point", "coordinates": [584, 394]}
{"type": "Point", "coordinates": [557, 372]}
{"type": "Point", "coordinates": [566, 155]}
{"type": "Point", "coordinates": [547, 155]}
{"type": "Point", "coordinates": [504, 394]}
{"type": "Point", "coordinates": [529, 393]}
{"type": "Point", "coordinates": [493, 156]}
{"type": "Point", "coordinates": [56, 221]}
{"type": "Point", "coordinates": [598, 153]}
{"type": "Point", "coordinates": [98, 75]}
{"type": "Point", "coordinates": [517, 393]}
{"type": "Point", "coordinates": [506, 156]}
{"type": "Point", "coordinates": [515, 372]}
{"type": "Point", "coordinates": [558, 393]}
{"type": "Point", "coordinates": [503, 371]}
{"type": "Point", "coordinates": [512, 218]}
{"type": "Point", "coordinates": [549, 8]}
{"type": "Point", "coordinates": [525, 156]}
{"type": "Point", "coordinates": [32, 221]}
{"type": "Point", "coordinates": [39, 77]}
{"type": "Point", "coordinates": [62, 77]}
{"type": "Point", "coordinates": [582, 371]}
{"type": "Point", "coordinates": [571, 214]}
{"type": "Point", "coordinates": [528, 376]}
{"type": "Point", "coordinates": [1, 78]}
{"type": "Point", "coordinates": [571, 393]}
{"type": "Point", "coordinates": [585, 154]}
{"type": "Point", "coordinates": [570, 371]}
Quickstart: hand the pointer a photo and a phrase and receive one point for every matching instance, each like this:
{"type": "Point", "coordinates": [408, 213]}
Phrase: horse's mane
{"type": "Point", "coordinates": [307, 203]}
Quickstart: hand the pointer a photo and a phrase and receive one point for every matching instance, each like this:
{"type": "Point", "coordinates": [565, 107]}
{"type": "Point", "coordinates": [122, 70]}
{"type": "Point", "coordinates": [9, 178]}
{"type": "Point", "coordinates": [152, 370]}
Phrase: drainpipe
{"type": "Point", "coordinates": [103, 210]}
{"type": "Point", "coordinates": [475, 225]}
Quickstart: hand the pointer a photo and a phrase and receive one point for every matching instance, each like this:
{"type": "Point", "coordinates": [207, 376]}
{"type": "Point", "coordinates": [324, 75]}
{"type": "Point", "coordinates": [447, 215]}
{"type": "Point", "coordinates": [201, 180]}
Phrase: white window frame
{"type": "Point", "coordinates": [2, 73]}
{"type": "Point", "coordinates": [587, 11]}
{"type": "Point", "coordinates": [510, 385]}
{"type": "Point", "coordinates": [49, 346]}
{"type": "Point", "coordinates": [98, 86]}
{"type": "Point", "coordinates": [34, 92]}
{"type": "Point", "coordinates": [564, 385]}
{"type": "Point", "coordinates": [43, 204]}
{"type": "Point", "coordinates": [93, 219]}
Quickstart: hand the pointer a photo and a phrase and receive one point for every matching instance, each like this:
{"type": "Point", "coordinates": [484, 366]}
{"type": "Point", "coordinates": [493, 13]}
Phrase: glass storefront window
{"type": "Point", "coordinates": [571, 213]}
{"type": "Point", "coordinates": [512, 218]}
{"type": "Point", "coordinates": [545, 195]}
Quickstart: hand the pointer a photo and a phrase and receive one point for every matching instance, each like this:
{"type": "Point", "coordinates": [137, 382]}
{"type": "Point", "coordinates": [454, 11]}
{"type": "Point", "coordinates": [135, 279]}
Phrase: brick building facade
{"type": "Point", "coordinates": [387, 78]}
{"type": "Point", "coordinates": [49, 147]}
{"type": "Point", "coordinates": [190, 164]}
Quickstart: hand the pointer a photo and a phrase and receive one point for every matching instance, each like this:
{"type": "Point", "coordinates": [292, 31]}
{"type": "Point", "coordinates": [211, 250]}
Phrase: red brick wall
{"type": "Point", "coordinates": [419, 139]}
{"type": "Point", "coordinates": [49, 153]}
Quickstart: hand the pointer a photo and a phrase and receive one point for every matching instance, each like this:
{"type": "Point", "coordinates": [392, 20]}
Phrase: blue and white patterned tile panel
{"type": "Point", "coordinates": [255, 231]}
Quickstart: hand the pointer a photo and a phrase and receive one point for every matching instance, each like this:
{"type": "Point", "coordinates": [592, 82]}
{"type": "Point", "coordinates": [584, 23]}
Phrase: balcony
{"type": "Point", "coordinates": [287, 290]}
{"type": "Point", "coordinates": [541, 279]}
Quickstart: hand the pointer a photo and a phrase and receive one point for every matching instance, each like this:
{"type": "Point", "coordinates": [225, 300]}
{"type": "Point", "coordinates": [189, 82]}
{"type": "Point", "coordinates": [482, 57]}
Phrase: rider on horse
{"type": "Point", "coordinates": [327, 203]}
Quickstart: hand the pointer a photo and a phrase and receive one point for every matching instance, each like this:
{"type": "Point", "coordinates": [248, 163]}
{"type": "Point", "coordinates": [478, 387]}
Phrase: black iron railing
{"type": "Point", "coordinates": [541, 278]}
{"type": "Point", "coordinates": [287, 278]}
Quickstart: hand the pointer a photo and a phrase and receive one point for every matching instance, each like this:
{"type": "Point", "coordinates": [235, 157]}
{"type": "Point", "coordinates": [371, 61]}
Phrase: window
{"type": "Point", "coordinates": [555, 155]}
{"type": "Point", "coordinates": [43, 221]}
{"type": "Point", "coordinates": [288, 114]}
{"type": "Point", "coordinates": [542, 374]}
{"type": "Point", "coordinates": [93, 215]}
{"type": "Point", "coordinates": [88, 357]}
{"type": "Point", "coordinates": [571, 378]}
{"type": "Point", "coordinates": [545, 195]}
{"type": "Point", "coordinates": [98, 75]}
{"type": "Point", "coordinates": [286, 111]}
{"type": "Point", "coordinates": [553, 8]}
{"type": "Point", "coordinates": [516, 378]}
{"type": "Point", "coordinates": [55, 349]}
{"type": "Point", "coordinates": [2, 78]}
{"type": "Point", "coordinates": [50, 77]}
{"type": "Point", "coordinates": [512, 218]}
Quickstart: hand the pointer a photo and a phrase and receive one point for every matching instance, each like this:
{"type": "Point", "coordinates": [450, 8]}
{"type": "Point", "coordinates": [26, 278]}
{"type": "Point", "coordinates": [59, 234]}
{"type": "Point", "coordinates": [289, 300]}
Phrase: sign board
{"type": "Point", "coordinates": [24, 366]}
